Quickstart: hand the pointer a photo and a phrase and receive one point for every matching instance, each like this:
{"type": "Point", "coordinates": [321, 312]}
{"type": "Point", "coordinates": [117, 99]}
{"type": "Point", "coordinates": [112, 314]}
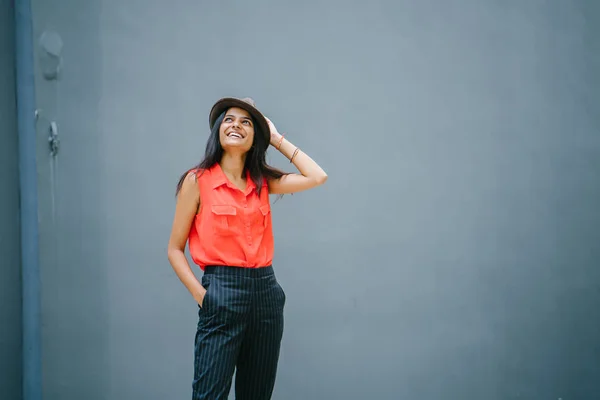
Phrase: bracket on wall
{"type": "Point", "coordinates": [50, 57]}
{"type": "Point", "coordinates": [53, 139]}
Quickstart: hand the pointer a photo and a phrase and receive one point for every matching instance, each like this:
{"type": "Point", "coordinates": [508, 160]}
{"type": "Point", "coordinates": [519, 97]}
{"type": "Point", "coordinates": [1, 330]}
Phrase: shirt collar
{"type": "Point", "coordinates": [219, 178]}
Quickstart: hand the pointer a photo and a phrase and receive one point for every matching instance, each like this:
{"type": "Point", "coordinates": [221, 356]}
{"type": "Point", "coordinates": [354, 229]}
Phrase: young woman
{"type": "Point", "coordinates": [223, 211]}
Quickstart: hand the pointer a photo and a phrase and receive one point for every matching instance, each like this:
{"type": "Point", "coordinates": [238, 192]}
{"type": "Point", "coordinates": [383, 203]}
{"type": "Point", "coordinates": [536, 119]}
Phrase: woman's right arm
{"type": "Point", "coordinates": [188, 201]}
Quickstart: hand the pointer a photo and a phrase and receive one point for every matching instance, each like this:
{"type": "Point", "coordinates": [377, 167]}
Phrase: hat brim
{"type": "Point", "coordinates": [226, 103]}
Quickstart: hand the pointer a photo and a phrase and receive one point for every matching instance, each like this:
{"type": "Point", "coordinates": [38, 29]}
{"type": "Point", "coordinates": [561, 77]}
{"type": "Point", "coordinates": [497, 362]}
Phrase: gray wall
{"type": "Point", "coordinates": [453, 252]}
{"type": "Point", "coordinates": [10, 278]}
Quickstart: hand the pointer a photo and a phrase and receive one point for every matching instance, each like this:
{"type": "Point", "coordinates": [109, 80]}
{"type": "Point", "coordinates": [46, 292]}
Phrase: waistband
{"type": "Point", "coordinates": [239, 271]}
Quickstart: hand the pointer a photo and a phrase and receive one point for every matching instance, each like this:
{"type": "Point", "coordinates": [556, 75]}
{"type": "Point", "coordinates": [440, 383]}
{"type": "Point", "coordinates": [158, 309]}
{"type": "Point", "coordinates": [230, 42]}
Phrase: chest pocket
{"type": "Point", "coordinates": [264, 213]}
{"type": "Point", "coordinates": [261, 221]}
{"type": "Point", "coordinates": [223, 219]}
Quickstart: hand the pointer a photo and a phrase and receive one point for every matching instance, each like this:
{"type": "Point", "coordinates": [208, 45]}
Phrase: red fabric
{"type": "Point", "coordinates": [232, 227]}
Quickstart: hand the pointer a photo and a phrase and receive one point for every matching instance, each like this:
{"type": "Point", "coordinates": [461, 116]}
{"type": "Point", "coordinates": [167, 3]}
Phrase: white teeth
{"type": "Point", "coordinates": [233, 134]}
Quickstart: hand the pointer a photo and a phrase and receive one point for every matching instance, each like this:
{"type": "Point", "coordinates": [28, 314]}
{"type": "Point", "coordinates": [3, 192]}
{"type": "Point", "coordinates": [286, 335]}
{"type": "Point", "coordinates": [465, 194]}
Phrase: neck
{"type": "Point", "coordinates": [233, 165]}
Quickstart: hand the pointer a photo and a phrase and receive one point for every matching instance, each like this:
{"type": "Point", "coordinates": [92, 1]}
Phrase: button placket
{"type": "Point", "coordinates": [247, 225]}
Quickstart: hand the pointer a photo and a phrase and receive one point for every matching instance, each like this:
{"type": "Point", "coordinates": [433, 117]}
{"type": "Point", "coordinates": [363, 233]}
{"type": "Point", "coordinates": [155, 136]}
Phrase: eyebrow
{"type": "Point", "coordinates": [231, 115]}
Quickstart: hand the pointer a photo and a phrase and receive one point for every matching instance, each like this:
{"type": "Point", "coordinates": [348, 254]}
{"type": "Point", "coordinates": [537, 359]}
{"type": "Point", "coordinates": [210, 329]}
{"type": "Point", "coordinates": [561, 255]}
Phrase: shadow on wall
{"type": "Point", "coordinates": [76, 315]}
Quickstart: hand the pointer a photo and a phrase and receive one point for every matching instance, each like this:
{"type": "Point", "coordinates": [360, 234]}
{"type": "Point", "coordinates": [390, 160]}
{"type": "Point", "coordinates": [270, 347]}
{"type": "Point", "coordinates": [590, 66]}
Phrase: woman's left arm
{"type": "Point", "coordinates": [311, 174]}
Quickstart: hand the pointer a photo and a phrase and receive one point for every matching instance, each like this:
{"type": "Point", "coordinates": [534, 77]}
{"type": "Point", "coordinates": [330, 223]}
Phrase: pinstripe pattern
{"type": "Point", "coordinates": [240, 325]}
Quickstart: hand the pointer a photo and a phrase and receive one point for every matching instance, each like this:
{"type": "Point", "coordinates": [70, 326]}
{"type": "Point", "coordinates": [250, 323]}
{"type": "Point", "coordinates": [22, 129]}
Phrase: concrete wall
{"type": "Point", "coordinates": [10, 270]}
{"type": "Point", "coordinates": [453, 253]}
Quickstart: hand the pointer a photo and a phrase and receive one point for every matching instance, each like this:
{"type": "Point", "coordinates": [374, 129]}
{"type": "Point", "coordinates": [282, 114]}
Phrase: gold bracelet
{"type": "Point", "coordinates": [280, 142]}
{"type": "Point", "coordinates": [294, 155]}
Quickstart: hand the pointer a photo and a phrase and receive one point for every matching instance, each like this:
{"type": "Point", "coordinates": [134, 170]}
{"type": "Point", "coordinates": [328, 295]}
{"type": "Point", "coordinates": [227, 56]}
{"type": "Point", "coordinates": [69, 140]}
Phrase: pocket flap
{"type": "Point", "coordinates": [223, 210]}
{"type": "Point", "coordinates": [264, 209]}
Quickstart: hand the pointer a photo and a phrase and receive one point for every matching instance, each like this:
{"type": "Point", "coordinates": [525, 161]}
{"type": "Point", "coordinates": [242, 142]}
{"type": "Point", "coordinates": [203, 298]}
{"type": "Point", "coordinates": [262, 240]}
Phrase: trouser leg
{"type": "Point", "coordinates": [220, 332]}
{"type": "Point", "coordinates": [259, 353]}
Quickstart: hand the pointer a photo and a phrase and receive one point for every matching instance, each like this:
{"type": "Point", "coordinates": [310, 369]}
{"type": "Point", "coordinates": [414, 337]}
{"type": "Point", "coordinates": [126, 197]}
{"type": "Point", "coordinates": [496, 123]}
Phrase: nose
{"type": "Point", "coordinates": [236, 123]}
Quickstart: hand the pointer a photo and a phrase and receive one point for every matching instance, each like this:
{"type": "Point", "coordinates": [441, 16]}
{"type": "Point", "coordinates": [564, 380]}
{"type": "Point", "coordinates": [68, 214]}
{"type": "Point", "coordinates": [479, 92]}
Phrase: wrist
{"type": "Point", "coordinates": [278, 141]}
{"type": "Point", "coordinates": [199, 293]}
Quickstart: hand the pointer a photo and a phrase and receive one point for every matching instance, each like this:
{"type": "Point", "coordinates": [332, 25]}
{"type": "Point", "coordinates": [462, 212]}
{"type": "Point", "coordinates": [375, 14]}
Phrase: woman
{"type": "Point", "coordinates": [223, 211]}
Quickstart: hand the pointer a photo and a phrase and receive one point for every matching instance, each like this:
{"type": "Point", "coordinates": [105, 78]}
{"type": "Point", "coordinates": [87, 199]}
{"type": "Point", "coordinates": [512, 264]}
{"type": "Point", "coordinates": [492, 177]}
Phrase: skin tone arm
{"type": "Point", "coordinates": [311, 174]}
{"type": "Point", "coordinates": [185, 211]}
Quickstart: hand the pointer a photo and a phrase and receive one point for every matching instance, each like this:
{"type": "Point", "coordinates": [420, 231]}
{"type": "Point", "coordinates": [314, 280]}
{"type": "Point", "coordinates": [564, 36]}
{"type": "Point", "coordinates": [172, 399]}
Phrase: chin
{"type": "Point", "coordinates": [235, 147]}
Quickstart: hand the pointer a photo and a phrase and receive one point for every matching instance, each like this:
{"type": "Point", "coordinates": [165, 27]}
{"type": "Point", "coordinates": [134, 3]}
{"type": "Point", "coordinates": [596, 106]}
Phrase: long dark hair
{"type": "Point", "coordinates": [256, 159]}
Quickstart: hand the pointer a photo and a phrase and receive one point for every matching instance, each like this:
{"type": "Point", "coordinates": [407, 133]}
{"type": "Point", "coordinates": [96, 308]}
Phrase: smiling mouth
{"type": "Point", "coordinates": [235, 135]}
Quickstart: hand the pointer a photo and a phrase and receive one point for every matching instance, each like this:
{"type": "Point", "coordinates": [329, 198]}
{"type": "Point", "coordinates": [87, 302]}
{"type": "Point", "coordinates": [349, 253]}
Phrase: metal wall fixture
{"type": "Point", "coordinates": [50, 58]}
{"type": "Point", "coordinates": [53, 139]}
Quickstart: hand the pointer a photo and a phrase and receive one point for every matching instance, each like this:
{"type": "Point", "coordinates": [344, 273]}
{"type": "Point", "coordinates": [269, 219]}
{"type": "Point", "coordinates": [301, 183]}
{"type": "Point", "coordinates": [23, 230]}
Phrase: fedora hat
{"type": "Point", "coordinates": [247, 104]}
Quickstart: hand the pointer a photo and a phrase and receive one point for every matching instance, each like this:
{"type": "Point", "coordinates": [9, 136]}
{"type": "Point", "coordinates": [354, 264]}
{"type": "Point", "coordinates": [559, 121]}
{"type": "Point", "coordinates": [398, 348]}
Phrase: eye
{"type": "Point", "coordinates": [227, 119]}
{"type": "Point", "coordinates": [247, 122]}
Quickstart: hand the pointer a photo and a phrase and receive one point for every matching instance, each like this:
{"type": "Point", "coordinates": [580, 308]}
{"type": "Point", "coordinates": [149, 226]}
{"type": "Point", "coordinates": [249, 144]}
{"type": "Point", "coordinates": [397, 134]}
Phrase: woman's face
{"type": "Point", "coordinates": [237, 130]}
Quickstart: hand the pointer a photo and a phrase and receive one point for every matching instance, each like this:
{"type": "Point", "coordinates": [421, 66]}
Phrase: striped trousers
{"type": "Point", "coordinates": [240, 326]}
